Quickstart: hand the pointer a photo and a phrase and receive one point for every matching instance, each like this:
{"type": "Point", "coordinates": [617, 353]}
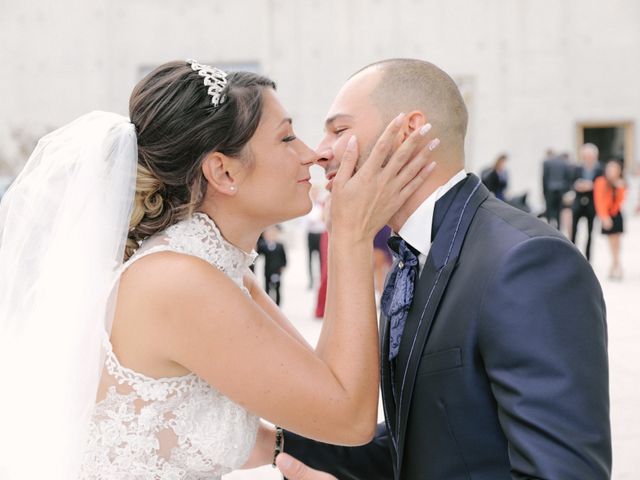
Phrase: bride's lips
{"type": "Point", "coordinates": [305, 180]}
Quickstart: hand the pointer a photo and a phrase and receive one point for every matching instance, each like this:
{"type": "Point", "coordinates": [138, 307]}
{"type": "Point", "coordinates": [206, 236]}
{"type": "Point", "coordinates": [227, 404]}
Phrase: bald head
{"type": "Point", "coordinates": [405, 85]}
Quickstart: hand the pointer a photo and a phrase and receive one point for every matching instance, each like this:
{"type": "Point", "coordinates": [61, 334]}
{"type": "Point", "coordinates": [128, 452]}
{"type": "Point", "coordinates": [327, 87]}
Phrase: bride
{"type": "Point", "coordinates": [134, 340]}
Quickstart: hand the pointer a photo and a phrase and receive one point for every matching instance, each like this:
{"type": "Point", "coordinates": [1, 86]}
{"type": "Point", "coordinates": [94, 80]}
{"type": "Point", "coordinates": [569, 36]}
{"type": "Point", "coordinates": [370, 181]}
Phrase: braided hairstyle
{"type": "Point", "coordinates": [177, 126]}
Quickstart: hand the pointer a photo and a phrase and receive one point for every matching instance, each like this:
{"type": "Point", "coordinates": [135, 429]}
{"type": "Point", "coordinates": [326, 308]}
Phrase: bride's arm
{"type": "Point", "coordinates": [264, 448]}
{"type": "Point", "coordinates": [329, 395]}
{"type": "Point", "coordinates": [270, 308]}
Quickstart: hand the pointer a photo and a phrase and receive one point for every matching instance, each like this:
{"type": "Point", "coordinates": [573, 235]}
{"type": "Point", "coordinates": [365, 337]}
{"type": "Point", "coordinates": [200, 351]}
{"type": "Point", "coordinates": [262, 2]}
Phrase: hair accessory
{"type": "Point", "coordinates": [214, 78]}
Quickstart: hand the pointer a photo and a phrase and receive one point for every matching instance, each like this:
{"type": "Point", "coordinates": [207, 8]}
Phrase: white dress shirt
{"type": "Point", "coordinates": [416, 231]}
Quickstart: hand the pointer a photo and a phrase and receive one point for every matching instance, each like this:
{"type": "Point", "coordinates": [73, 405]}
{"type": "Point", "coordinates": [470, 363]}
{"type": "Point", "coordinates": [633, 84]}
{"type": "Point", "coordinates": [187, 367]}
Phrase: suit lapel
{"type": "Point", "coordinates": [386, 379]}
{"type": "Point", "coordinates": [450, 224]}
{"type": "Point", "coordinates": [388, 402]}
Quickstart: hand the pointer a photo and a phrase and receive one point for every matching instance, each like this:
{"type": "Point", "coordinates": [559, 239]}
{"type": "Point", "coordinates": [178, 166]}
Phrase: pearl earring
{"type": "Point", "coordinates": [232, 188]}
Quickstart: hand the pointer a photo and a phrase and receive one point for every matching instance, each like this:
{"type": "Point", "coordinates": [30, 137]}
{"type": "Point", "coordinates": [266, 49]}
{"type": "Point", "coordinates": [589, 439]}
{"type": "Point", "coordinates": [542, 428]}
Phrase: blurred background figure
{"type": "Point", "coordinates": [608, 193]}
{"type": "Point", "coordinates": [583, 205]}
{"type": "Point", "coordinates": [275, 260]}
{"type": "Point", "coordinates": [381, 258]}
{"type": "Point", "coordinates": [321, 296]}
{"type": "Point", "coordinates": [566, 206]}
{"type": "Point", "coordinates": [556, 177]}
{"type": "Point", "coordinates": [315, 228]}
{"type": "Point", "coordinates": [495, 178]}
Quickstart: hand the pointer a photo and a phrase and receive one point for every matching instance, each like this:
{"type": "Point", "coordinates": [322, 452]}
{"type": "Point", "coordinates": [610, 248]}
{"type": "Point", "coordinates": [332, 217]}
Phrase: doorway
{"type": "Point", "coordinates": [614, 140]}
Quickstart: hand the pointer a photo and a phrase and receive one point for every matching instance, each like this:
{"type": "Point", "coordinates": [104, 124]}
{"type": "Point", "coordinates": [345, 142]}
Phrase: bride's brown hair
{"type": "Point", "coordinates": [177, 126]}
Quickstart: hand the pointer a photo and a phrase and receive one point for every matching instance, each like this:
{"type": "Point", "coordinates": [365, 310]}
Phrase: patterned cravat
{"type": "Point", "coordinates": [398, 293]}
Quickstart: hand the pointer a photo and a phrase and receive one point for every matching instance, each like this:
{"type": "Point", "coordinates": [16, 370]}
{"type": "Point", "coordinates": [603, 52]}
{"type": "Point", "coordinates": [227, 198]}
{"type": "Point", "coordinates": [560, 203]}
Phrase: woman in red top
{"type": "Point", "coordinates": [608, 195]}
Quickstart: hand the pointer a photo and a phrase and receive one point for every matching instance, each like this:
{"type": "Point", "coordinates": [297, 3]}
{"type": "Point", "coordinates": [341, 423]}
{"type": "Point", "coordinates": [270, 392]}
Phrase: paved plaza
{"type": "Point", "coordinates": [624, 338]}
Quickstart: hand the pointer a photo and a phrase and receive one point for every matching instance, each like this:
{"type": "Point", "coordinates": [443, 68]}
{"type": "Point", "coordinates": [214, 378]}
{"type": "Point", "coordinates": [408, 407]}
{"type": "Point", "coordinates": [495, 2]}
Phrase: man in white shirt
{"type": "Point", "coordinates": [501, 370]}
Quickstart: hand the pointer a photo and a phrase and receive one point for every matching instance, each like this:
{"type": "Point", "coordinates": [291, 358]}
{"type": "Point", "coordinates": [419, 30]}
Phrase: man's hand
{"type": "Point", "coordinates": [294, 469]}
{"type": "Point", "coordinates": [582, 185]}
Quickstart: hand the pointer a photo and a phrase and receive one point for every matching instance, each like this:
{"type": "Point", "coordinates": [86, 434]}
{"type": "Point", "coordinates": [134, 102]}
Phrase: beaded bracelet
{"type": "Point", "coordinates": [279, 445]}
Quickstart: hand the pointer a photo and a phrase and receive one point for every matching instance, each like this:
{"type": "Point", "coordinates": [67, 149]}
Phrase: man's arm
{"type": "Point", "coordinates": [543, 341]}
{"type": "Point", "coordinates": [368, 462]}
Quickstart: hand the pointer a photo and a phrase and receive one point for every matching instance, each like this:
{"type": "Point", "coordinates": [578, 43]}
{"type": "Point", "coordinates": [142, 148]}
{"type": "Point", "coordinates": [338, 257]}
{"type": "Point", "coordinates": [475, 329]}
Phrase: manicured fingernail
{"type": "Point", "coordinates": [399, 118]}
{"type": "Point", "coordinates": [431, 166]}
{"type": "Point", "coordinates": [433, 144]}
{"type": "Point", "coordinates": [351, 144]}
{"type": "Point", "coordinates": [425, 129]}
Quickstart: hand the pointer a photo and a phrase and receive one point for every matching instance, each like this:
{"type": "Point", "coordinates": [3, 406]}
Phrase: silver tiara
{"type": "Point", "coordinates": [214, 78]}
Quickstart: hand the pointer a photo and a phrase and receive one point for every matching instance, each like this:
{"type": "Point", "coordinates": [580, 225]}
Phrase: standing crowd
{"type": "Point", "coordinates": [573, 192]}
{"type": "Point", "coordinates": [588, 190]}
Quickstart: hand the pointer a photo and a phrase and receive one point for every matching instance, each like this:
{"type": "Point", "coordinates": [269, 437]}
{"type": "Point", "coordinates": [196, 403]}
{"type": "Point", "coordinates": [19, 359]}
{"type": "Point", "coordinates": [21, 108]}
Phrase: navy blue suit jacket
{"type": "Point", "coordinates": [502, 371]}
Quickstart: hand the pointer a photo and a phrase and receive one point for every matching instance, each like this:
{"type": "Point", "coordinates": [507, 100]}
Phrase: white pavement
{"type": "Point", "coordinates": [624, 338]}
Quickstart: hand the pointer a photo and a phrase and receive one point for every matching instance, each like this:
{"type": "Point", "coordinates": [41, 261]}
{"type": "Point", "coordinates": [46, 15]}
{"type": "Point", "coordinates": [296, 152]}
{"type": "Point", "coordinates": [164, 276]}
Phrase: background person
{"type": "Point", "coordinates": [609, 192]}
{"type": "Point", "coordinates": [275, 260]}
{"type": "Point", "coordinates": [555, 183]}
{"type": "Point", "coordinates": [583, 204]}
{"type": "Point", "coordinates": [496, 178]}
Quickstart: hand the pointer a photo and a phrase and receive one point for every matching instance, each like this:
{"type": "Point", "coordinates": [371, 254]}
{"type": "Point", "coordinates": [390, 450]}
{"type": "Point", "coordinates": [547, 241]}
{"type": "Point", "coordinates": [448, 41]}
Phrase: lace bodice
{"type": "Point", "coordinates": [177, 427]}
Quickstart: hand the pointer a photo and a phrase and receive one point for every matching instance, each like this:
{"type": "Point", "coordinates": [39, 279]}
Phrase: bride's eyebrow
{"type": "Point", "coordinates": [285, 120]}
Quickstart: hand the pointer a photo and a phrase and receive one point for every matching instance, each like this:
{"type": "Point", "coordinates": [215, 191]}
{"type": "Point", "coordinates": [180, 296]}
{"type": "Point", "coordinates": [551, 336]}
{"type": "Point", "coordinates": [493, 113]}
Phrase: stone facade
{"type": "Point", "coordinates": [530, 70]}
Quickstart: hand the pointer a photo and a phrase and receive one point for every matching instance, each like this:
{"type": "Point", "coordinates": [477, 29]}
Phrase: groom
{"type": "Point", "coordinates": [499, 368]}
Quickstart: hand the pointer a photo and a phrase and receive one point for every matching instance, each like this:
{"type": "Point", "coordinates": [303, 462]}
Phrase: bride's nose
{"type": "Point", "coordinates": [308, 156]}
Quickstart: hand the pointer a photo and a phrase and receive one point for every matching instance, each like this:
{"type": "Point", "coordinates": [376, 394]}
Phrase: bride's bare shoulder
{"type": "Point", "coordinates": [167, 274]}
{"type": "Point", "coordinates": [161, 299]}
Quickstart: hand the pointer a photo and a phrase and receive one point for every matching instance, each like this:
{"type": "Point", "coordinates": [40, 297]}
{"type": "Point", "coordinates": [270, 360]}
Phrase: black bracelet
{"type": "Point", "coordinates": [279, 445]}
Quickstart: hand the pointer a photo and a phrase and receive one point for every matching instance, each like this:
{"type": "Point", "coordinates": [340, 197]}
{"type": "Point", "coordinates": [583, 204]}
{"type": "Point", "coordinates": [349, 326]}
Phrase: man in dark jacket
{"type": "Point", "coordinates": [275, 260]}
{"type": "Point", "coordinates": [556, 181]}
{"type": "Point", "coordinates": [497, 369]}
{"type": "Point", "coordinates": [583, 205]}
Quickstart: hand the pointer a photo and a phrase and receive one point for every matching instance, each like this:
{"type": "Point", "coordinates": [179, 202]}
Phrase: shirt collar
{"type": "Point", "coordinates": [421, 220]}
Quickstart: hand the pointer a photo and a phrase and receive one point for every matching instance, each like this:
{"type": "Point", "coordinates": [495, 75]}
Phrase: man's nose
{"type": "Point", "coordinates": [324, 155]}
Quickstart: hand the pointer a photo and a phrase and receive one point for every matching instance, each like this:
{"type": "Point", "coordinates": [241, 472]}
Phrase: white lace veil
{"type": "Point", "coordinates": [63, 229]}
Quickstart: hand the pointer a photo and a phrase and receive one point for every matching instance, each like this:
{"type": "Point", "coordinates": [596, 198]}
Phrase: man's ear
{"type": "Point", "coordinates": [413, 120]}
{"type": "Point", "coordinates": [222, 172]}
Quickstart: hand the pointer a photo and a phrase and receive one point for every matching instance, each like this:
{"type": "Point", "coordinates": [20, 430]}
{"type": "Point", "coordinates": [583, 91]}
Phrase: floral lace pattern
{"type": "Point", "coordinates": [176, 427]}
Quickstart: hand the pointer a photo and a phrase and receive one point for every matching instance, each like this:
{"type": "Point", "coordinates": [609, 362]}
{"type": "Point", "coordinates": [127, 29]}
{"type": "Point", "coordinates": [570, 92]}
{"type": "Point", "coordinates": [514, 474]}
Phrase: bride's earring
{"type": "Point", "coordinates": [232, 188]}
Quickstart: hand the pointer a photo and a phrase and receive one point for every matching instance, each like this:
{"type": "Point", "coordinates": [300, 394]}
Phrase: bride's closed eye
{"type": "Point", "coordinates": [289, 138]}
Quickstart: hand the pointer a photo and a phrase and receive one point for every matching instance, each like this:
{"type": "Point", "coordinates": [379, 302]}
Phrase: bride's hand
{"type": "Point", "coordinates": [362, 203]}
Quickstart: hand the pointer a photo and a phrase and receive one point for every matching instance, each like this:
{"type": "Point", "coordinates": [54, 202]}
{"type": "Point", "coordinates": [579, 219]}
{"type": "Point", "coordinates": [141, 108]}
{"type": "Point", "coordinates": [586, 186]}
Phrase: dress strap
{"type": "Point", "coordinates": [163, 247]}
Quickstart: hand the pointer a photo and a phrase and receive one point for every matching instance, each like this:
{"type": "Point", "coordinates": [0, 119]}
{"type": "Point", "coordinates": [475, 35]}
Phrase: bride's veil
{"type": "Point", "coordinates": [63, 229]}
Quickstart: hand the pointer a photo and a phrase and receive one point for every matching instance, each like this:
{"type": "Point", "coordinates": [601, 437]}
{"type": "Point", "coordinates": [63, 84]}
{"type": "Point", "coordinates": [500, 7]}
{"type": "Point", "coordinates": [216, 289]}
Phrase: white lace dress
{"type": "Point", "coordinates": [177, 427]}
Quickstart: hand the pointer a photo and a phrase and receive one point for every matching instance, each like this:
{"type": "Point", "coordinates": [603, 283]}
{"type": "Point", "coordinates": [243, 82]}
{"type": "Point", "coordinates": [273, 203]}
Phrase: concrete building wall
{"type": "Point", "coordinates": [530, 70]}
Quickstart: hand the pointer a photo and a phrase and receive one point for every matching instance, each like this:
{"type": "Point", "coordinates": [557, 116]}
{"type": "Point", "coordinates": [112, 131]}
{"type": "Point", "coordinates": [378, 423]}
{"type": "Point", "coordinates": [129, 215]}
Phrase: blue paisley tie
{"type": "Point", "coordinates": [398, 293]}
